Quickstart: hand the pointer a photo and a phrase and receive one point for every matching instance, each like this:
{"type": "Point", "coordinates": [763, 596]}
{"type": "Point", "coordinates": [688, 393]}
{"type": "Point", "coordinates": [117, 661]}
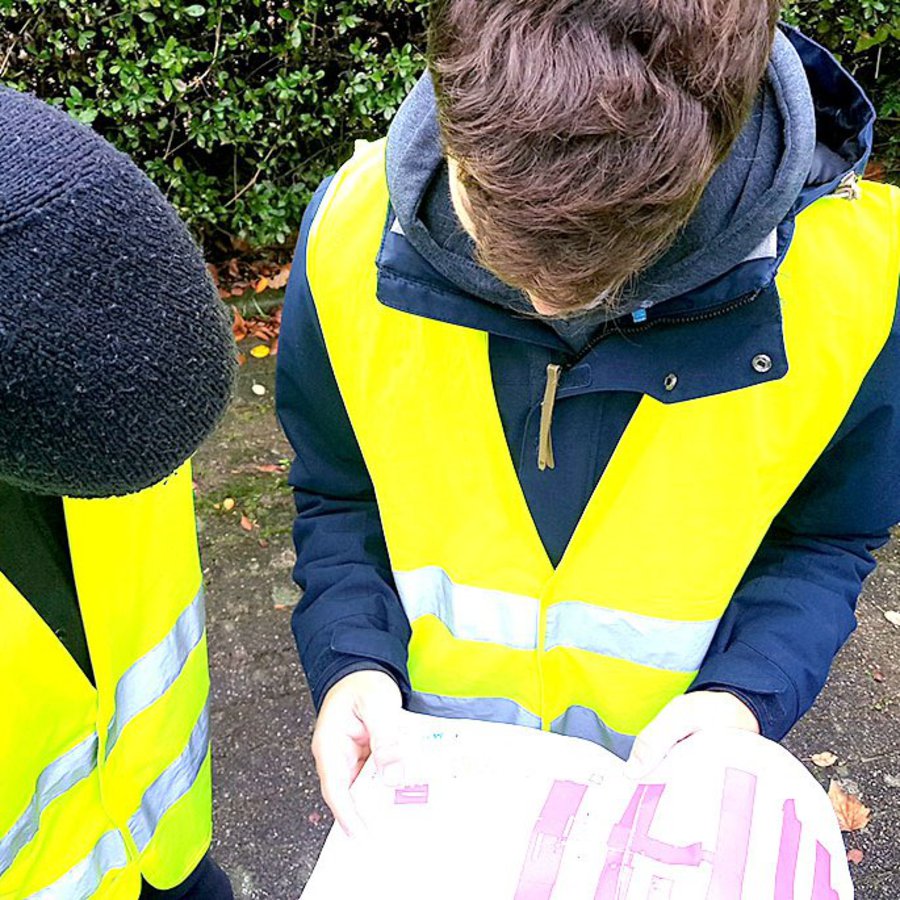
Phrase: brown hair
{"type": "Point", "coordinates": [586, 130]}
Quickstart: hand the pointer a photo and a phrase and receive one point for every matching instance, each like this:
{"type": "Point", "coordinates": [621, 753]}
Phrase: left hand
{"type": "Point", "coordinates": [681, 718]}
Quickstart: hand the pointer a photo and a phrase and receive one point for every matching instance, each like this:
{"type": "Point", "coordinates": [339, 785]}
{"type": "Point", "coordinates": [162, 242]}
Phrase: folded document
{"type": "Point", "coordinates": [500, 812]}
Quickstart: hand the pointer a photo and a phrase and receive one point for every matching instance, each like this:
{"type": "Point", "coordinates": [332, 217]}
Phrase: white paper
{"type": "Point", "coordinates": [508, 813]}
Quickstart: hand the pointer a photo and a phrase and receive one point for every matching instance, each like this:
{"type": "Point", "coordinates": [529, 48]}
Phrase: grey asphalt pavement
{"type": "Point", "coordinates": [269, 819]}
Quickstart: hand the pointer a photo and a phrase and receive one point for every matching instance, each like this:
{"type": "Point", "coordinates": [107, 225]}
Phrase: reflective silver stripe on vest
{"type": "Point", "coordinates": [489, 709]}
{"type": "Point", "coordinates": [579, 721]}
{"type": "Point", "coordinates": [149, 677]}
{"type": "Point", "coordinates": [82, 880]}
{"type": "Point", "coordinates": [60, 775]}
{"type": "Point", "coordinates": [659, 643]}
{"type": "Point", "coordinates": [470, 613]}
{"type": "Point", "coordinates": [174, 782]}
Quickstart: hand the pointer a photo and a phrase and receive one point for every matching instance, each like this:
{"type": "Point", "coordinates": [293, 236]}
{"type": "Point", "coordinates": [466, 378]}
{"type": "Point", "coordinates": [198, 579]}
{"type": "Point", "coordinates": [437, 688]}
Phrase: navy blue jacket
{"type": "Point", "coordinates": [795, 605]}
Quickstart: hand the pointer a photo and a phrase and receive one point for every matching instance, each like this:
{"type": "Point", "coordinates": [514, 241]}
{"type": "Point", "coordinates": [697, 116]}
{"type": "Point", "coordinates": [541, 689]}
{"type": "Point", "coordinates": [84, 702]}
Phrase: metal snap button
{"type": "Point", "coordinates": [670, 382]}
{"type": "Point", "coordinates": [762, 363]}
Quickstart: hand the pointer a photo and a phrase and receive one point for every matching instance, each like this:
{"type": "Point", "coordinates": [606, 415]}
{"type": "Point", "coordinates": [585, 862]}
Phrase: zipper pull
{"type": "Point", "coordinates": [545, 443]}
{"type": "Point", "coordinates": [849, 187]}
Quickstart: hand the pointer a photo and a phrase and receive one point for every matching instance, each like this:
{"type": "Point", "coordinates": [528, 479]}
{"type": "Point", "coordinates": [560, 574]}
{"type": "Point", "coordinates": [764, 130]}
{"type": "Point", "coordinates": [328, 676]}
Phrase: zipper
{"type": "Point", "coordinates": [848, 188]}
{"type": "Point", "coordinates": [555, 371]}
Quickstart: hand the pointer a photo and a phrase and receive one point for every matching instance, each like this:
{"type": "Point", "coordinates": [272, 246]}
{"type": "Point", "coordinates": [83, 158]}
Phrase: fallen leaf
{"type": "Point", "coordinates": [269, 467]}
{"type": "Point", "coordinates": [823, 760]}
{"type": "Point", "coordinates": [260, 351]}
{"type": "Point", "coordinates": [263, 543]}
{"type": "Point", "coordinates": [228, 504]}
{"type": "Point", "coordinates": [261, 330]}
{"type": "Point", "coordinates": [239, 325]}
{"type": "Point", "coordinates": [878, 676]}
{"type": "Point", "coordinates": [280, 279]}
{"type": "Point", "coordinates": [876, 171]}
{"type": "Point", "coordinates": [241, 358]}
{"type": "Point", "coordinates": [850, 812]}
{"type": "Point", "coordinates": [246, 524]}
{"type": "Point", "coordinates": [893, 617]}
{"type": "Point", "coordinates": [261, 285]}
{"type": "Point", "coordinates": [855, 856]}
{"type": "Point", "coordinates": [258, 389]}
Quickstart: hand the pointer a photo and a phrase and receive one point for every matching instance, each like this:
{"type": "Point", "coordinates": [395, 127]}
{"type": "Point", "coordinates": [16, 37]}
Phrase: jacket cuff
{"type": "Point", "coordinates": [757, 681]}
{"type": "Point", "coordinates": [352, 649]}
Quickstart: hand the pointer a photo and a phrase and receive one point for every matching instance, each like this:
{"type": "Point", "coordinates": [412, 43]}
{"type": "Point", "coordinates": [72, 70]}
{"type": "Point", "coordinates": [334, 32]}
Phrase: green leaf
{"type": "Point", "coordinates": [195, 10]}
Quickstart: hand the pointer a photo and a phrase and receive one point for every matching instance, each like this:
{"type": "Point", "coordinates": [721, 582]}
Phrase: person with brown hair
{"type": "Point", "coordinates": [590, 371]}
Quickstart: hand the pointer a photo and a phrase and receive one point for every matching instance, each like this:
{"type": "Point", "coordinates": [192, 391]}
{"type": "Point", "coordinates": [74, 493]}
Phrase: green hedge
{"type": "Point", "coordinates": [236, 108]}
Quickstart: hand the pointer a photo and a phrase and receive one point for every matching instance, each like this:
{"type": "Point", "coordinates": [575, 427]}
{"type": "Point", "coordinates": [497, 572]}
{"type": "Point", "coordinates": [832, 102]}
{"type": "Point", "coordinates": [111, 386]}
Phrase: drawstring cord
{"type": "Point", "coordinates": [545, 443]}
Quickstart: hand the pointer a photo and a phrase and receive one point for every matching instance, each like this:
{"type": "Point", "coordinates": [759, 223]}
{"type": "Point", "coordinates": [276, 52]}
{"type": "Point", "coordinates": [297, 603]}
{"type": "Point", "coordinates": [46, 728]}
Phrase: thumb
{"type": "Point", "coordinates": [655, 741]}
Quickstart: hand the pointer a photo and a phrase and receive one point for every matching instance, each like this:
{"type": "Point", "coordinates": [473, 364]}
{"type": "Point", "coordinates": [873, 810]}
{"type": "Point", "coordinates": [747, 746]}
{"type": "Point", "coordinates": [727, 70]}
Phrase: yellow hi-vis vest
{"type": "Point", "coordinates": [101, 785]}
{"type": "Point", "coordinates": [598, 645]}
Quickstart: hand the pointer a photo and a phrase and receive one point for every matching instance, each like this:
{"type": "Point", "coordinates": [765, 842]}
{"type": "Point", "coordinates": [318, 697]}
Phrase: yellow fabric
{"type": "Point", "coordinates": [683, 504]}
{"type": "Point", "coordinates": [136, 571]}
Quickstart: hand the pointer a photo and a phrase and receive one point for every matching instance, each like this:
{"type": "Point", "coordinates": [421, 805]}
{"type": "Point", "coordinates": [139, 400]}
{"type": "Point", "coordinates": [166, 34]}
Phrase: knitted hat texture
{"type": "Point", "coordinates": [116, 354]}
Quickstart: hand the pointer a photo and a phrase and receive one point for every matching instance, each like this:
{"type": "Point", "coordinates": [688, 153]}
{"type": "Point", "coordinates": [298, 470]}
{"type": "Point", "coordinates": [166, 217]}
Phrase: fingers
{"type": "Point", "coordinates": [380, 711]}
{"type": "Point", "coordinates": [336, 775]}
{"type": "Point", "coordinates": [681, 718]}
{"type": "Point", "coordinates": [359, 716]}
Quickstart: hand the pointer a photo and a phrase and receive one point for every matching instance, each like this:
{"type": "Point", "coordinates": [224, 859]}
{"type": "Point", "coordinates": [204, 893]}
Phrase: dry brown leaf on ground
{"type": "Point", "coordinates": [876, 171]}
{"type": "Point", "coordinates": [246, 524]}
{"type": "Point", "coordinates": [239, 326]}
{"type": "Point", "coordinates": [855, 856]}
{"type": "Point", "coordinates": [823, 760]}
{"type": "Point", "coordinates": [280, 278]}
{"type": "Point", "coordinates": [850, 812]}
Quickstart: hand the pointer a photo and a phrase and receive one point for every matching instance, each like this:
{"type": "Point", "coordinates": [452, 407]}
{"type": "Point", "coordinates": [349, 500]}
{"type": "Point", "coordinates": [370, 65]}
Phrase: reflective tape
{"type": "Point", "coordinates": [174, 782]}
{"type": "Point", "coordinates": [82, 880]}
{"type": "Point", "coordinates": [489, 709]}
{"type": "Point", "coordinates": [579, 721]}
{"type": "Point", "coordinates": [677, 646]}
{"type": "Point", "coordinates": [60, 775]}
{"type": "Point", "coordinates": [470, 613]}
{"type": "Point", "coordinates": [149, 677]}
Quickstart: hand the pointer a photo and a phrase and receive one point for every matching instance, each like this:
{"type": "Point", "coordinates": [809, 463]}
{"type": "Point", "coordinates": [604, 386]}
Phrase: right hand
{"type": "Point", "coordinates": [359, 717]}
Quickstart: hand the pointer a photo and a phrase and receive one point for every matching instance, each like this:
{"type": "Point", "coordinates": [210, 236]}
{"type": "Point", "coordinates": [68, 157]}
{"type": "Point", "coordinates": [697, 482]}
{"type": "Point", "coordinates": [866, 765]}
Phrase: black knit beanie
{"type": "Point", "coordinates": [116, 355]}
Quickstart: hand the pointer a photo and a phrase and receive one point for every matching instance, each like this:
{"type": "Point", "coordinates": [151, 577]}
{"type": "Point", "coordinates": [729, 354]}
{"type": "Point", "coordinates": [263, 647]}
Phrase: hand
{"type": "Point", "coordinates": [681, 718]}
{"type": "Point", "coordinates": [359, 717]}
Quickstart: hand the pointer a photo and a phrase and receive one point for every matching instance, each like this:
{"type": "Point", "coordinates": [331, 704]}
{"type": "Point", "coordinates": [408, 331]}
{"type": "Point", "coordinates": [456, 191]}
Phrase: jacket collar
{"type": "Point", "coordinates": [709, 337]}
